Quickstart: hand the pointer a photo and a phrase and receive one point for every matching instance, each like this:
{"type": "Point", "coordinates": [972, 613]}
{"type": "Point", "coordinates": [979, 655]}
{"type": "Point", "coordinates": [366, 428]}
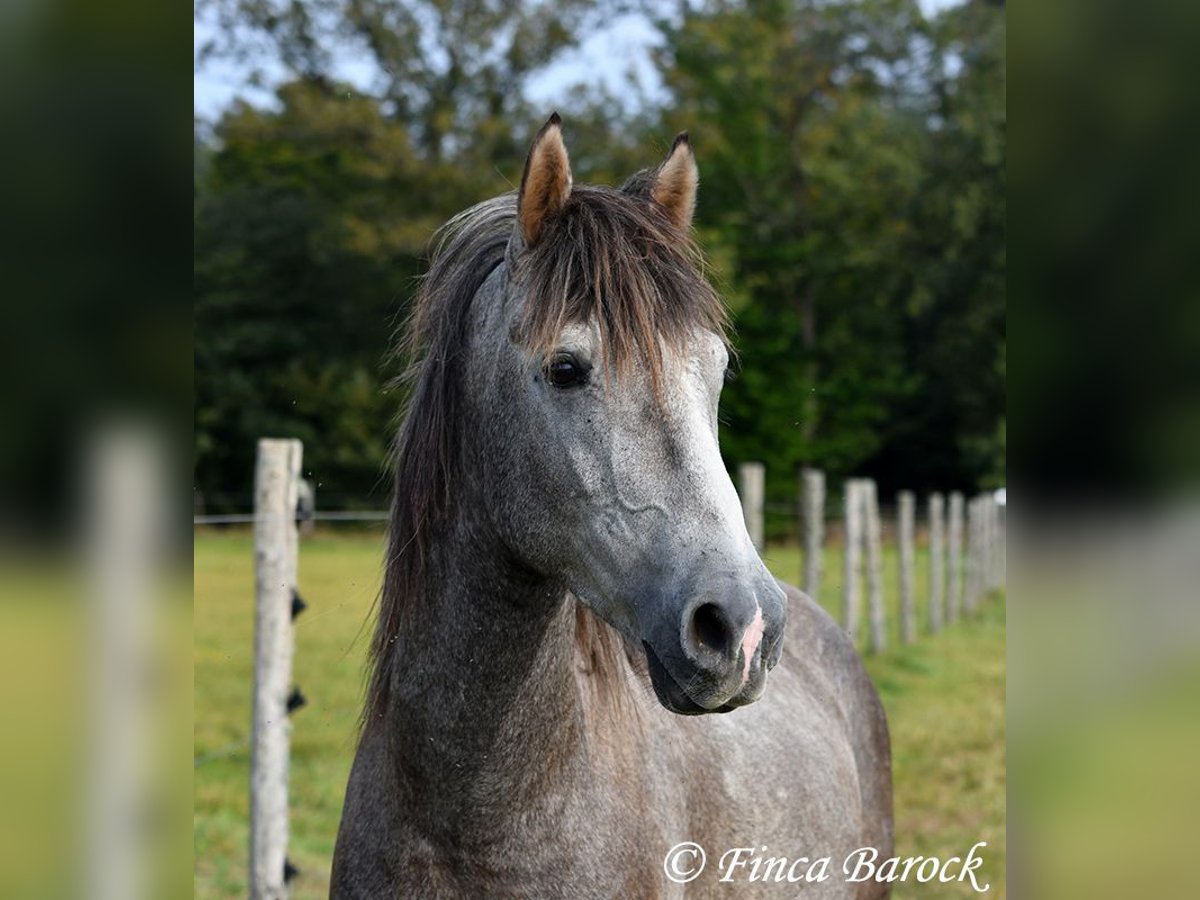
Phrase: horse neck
{"type": "Point", "coordinates": [483, 706]}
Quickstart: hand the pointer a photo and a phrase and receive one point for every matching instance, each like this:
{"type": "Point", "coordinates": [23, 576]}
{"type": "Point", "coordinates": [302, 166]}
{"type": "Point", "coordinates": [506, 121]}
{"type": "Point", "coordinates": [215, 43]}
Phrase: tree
{"type": "Point", "coordinates": [309, 228]}
{"type": "Point", "coordinates": [950, 430]}
{"type": "Point", "coordinates": [454, 72]}
{"type": "Point", "coordinates": [808, 127]}
{"type": "Point", "coordinates": [852, 208]}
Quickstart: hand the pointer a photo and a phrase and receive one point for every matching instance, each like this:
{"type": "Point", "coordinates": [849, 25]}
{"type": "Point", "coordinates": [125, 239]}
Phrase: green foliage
{"type": "Point", "coordinates": [852, 207]}
{"type": "Point", "coordinates": [452, 70]}
{"type": "Point", "coordinates": [854, 191]}
{"type": "Point", "coordinates": [310, 225]}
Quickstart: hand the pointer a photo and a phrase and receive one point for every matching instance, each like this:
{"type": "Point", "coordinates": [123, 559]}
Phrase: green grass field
{"type": "Point", "coordinates": [944, 697]}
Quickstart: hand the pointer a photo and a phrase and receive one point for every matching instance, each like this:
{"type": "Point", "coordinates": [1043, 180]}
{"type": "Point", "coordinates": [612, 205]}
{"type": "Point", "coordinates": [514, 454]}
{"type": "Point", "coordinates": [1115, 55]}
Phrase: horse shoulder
{"type": "Point", "coordinates": [817, 643]}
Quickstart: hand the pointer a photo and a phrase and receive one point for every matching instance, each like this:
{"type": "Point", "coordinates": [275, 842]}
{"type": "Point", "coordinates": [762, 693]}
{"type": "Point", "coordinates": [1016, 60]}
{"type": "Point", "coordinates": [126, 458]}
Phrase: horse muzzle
{"type": "Point", "coordinates": [718, 657]}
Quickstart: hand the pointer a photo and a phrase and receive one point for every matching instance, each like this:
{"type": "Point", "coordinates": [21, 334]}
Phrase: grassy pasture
{"type": "Point", "coordinates": [945, 698]}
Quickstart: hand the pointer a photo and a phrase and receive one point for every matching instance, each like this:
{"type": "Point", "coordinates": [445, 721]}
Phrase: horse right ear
{"type": "Point", "coordinates": [675, 181]}
{"type": "Point", "coordinates": [671, 185]}
{"type": "Point", "coordinates": [545, 184]}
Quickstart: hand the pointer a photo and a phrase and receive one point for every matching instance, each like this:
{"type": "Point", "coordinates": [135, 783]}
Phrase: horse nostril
{"type": "Point", "coordinates": [709, 629]}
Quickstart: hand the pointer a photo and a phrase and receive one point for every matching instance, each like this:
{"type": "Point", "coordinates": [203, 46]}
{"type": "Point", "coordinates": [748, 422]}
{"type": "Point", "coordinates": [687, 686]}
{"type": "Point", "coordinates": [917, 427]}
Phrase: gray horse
{"type": "Point", "coordinates": [566, 547]}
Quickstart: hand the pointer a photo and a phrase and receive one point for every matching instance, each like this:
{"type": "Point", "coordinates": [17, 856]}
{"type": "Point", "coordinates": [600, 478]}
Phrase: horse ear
{"type": "Point", "coordinates": [546, 182]}
{"type": "Point", "coordinates": [675, 181]}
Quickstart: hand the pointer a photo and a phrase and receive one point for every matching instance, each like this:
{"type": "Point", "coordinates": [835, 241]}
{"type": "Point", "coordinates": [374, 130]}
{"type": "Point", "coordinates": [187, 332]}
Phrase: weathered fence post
{"type": "Point", "coordinates": [1001, 545]}
{"type": "Point", "coordinates": [813, 502]}
{"type": "Point", "coordinates": [985, 546]}
{"type": "Point", "coordinates": [907, 504]}
{"type": "Point", "coordinates": [851, 540]}
{"type": "Point", "coordinates": [955, 574]}
{"type": "Point", "coordinates": [874, 542]}
{"type": "Point", "coordinates": [997, 540]}
{"type": "Point", "coordinates": [126, 518]}
{"type": "Point", "coordinates": [276, 482]}
{"type": "Point", "coordinates": [989, 506]}
{"type": "Point", "coordinates": [984, 562]}
{"type": "Point", "coordinates": [306, 506]}
{"type": "Point", "coordinates": [984, 549]}
{"type": "Point", "coordinates": [974, 555]}
{"type": "Point", "coordinates": [752, 475]}
{"type": "Point", "coordinates": [981, 524]}
{"type": "Point", "coordinates": [937, 568]}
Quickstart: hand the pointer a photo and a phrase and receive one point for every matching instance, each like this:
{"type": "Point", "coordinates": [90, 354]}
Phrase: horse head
{"type": "Point", "coordinates": [594, 381]}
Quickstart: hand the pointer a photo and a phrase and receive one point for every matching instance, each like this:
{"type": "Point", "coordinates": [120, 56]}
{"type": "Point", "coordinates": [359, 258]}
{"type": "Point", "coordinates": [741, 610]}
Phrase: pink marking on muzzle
{"type": "Point", "coordinates": [750, 641]}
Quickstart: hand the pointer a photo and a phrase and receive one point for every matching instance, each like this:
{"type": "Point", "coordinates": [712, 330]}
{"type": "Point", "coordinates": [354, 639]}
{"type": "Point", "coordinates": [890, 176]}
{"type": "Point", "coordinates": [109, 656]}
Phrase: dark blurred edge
{"type": "Point", "coordinates": [1105, 281]}
{"type": "Point", "coordinates": [95, 338]}
{"type": "Point", "coordinates": [94, 322]}
{"type": "Point", "coordinates": [1105, 396]}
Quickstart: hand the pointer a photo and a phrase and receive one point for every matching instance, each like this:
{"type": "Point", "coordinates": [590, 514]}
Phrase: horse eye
{"type": "Point", "coordinates": [564, 372]}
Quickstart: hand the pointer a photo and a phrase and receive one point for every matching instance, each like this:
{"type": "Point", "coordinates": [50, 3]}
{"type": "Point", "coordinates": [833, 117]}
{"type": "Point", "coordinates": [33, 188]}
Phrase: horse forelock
{"type": "Point", "coordinates": [610, 257]}
{"type": "Point", "coordinates": [613, 258]}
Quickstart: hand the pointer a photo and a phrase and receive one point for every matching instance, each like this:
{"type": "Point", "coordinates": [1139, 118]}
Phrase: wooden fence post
{"type": "Point", "coordinates": [997, 529]}
{"type": "Point", "coordinates": [955, 574]}
{"type": "Point", "coordinates": [126, 517]}
{"type": "Point", "coordinates": [1001, 545]}
{"type": "Point", "coordinates": [989, 505]}
{"type": "Point", "coordinates": [984, 562]}
{"type": "Point", "coordinates": [985, 544]}
{"type": "Point", "coordinates": [907, 504]}
{"type": "Point", "coordinates": [984, 550]}
{"type": "Point", "coordinates": [973, 555]}
{"type": "Point", "coordinates": [937, 568]}
{"type": "Point", "coordinates": [306, 506]}
{"type": "Point", "coordinates": [874, 542]}
{"type": "Point", "coordinates": [752, 476]}
{"type": "Point", "coordinates": [813, 500]}
{"type": "Point", "coordinates": [276, 479]}
{"type": "Point", "coordinates": [852, 539]}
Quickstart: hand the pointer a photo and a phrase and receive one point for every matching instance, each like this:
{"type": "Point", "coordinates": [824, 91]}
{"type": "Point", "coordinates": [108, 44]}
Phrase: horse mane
{"type": "Point", "coordinates": [609, 255]}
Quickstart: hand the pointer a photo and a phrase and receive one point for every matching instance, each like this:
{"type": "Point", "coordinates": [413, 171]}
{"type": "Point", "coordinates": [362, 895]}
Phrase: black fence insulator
{"type": "Point", "coordinates": [295, 700]}
{"type": "Point", "coordinates": [289, 871]}
{"type": "Point", "coordinates": [298, 604]}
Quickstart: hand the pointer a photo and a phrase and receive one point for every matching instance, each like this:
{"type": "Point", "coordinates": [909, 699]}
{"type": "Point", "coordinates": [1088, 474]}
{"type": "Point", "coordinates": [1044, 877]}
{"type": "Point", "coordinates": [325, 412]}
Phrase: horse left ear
{"type": "Point", "coordinates": [675, 181]}
{"type": "Point", "coordinates": [546, 182]}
